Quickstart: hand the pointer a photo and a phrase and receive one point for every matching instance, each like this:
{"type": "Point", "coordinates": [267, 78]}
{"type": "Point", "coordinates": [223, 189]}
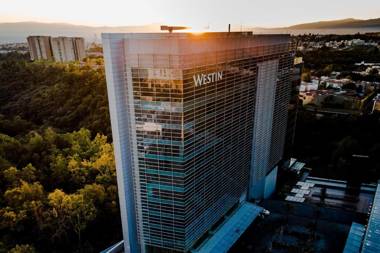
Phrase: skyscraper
{"type": "Point", "coordinates": [198, 124]}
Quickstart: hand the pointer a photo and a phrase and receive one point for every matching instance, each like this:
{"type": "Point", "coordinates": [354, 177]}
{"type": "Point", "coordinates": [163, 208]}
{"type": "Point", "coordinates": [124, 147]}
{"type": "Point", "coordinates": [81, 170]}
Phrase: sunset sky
{"type": "Point", "coordinates": [194, 13]}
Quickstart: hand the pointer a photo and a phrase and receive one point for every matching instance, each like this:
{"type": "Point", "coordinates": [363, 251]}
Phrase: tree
{"type": "Point", "coordinates": [22, 203]}
{"type": "Point", "coordinates": [80, 95]}
{"type": "Point", "coordinates": [11, 219]}
{"type": "Point", "coordinates": [82, 212]}
{"type": "Point", "coordinates": [10, 148]}
{"type": "Point", "coordinates": [57, 177]}
{"type": "Point", "coordinates": [23, 248]}
{"type": "Point", "coordinates": [13, 176]}
{"type": "Point", "coordinates": [94, 192]}
{"type": "Point", "coordinates": [328, 69]}
{"type": "Point", "coordinates": [306, 77]}
{"type": "Point", "coordinates": [343, 154]}
{"type": "Point", "coordinates": [28, 173]}
{"type": "Point", "coordinates": [71, 211]}
{"type": "Point", "coordinates": [374, 72]}
{"type": "Point", "coordinates": [349, 86]}
{"type": "Point", "coordinates": [57, 215]}
{"type": "Point", "coordinates": [21, 196]}
{"type": "Point", "coordinates": [36, 142]}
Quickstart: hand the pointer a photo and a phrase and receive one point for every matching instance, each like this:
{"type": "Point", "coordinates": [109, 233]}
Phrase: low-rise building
{"type": "Point", "coordinates": [305, 86]}
{"type": "Point", "coordinates": [21, 48]}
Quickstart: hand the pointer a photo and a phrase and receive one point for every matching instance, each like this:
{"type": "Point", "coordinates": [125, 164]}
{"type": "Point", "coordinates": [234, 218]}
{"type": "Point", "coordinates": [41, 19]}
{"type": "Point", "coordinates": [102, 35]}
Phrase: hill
{"type": "Point", "coordinates": [17, 32]}
{"type": "Point", "coordinates": [342, 23]}
{"type": "Point", "coordinates": [342, 26]}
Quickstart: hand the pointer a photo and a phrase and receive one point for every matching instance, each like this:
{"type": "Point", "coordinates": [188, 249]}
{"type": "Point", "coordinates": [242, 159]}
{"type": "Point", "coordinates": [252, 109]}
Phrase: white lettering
{"type": "Point", "coordinates": [202, 79]}
{"type": "Point", "coordinates": [220, 75]}
{"type": "Point", "coordinates": [197, 80]}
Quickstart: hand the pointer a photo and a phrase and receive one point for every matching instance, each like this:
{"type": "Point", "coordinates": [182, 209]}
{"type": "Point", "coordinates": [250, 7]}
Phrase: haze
{"type": "Point", "coordinates": [199, 14]}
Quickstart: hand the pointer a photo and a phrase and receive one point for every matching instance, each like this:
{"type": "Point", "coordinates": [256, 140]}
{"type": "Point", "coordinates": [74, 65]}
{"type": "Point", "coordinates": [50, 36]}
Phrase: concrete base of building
{"type": "Point", "coordinates": [265, 187]}
{"type": "Point", "coordinates": [270, 183]}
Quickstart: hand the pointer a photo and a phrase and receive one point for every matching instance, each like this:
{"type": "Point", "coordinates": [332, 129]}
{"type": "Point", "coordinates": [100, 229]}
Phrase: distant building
{"type": "Point", "coordinates": [342, 102]}
{"type": "Point", "coordinates": [21, 48]}
{"type": "Point", "coordinates": [60, 49]}
{"type": "Point", "coordinates": [356, 42]}
{"type": "Point", "coordinates": [40, 48]}
{"type": "Point", "coordinates": [376, 104]}
{"type": "Point", "coordinates": [305, 86]}
{"type": "Point", "coordinates": [67, 49]}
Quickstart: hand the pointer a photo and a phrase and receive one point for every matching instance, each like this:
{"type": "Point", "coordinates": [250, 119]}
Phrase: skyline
{"type": "Point", "coordinates": [199, 15]}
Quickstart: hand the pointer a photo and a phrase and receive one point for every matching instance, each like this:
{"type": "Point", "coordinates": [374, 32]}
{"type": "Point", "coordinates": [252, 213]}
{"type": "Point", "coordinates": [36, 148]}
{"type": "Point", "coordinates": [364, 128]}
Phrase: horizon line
{"type": "Point", "coordinates": [158, 24]}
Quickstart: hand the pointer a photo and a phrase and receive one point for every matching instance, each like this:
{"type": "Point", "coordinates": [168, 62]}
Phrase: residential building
{"type": "Point", "coordinates": [60, 49]}
{"type": "Point", "coordinates": [67, 49]}
{"type": "Point", "coordinates": [40, 48]}
{"type": "Point", "coordinates": [198, 124]}
{"type": "Point", "coordinates": [21, 48]}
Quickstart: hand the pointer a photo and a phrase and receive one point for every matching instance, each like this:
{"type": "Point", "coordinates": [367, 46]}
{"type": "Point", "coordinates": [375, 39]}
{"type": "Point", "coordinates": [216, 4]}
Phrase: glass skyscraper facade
{"type": "Point", "coordinates": [198, 123]}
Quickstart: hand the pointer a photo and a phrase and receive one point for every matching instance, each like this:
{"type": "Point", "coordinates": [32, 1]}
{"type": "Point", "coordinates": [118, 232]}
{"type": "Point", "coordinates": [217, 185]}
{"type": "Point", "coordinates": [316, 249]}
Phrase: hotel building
{"type": "Point", "coordinates": [198, 124]}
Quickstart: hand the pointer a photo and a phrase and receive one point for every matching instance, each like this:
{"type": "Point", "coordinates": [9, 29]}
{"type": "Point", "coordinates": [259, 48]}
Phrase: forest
{"type": "Point", "coordinates": [324, 60]}
{"type": "Point", "coordinates": [329, 144]}
{"type": "Point", "coordinates": [58, 188]}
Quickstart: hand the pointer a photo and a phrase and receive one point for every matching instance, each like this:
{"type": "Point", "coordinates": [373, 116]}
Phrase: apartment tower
{"type": "Point", "coordinates": [59, 49]}
{"type": "Point", "coordinates": [66, 49]}
{"type": "Point", "coordinates": [40, 48]}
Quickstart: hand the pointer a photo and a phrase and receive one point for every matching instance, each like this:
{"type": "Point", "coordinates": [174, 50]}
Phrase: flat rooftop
{"type": "Point", "coordinates": [230, 231]}
{"type": "Point", "coordinates": [354, 239]}
{"type": "Point", "coordinates": [333, 193]}
{"type": "Point", "coordinates": [372, 236]}
{"type": "Point", "coordinates": [188, 50]}
{"type": "Point", "coordinates": [247, 34]}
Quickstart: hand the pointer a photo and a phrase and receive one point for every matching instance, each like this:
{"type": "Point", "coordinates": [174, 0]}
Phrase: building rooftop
{"type": "Point", "coordinates": [230, 231]}
{"type": "Point", "coordinates": [332, 193]}
{"type": "Point", "coordinates": [189, 50]}
{"type": "Point", "coordinates": [223, 35]}
{"type": "Point", "coordinates": [354, 239]}
{"type": "Point", "coordinates": [366, 238]}
{"type": "Point", "coordinates": [372, 236]}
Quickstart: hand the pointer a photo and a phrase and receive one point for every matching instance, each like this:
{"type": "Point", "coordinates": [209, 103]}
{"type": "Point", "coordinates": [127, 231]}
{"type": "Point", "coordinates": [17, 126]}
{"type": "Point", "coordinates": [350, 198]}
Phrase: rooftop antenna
{"type": "Point", "coordinates": [229, 28]}
{"type": "Point", "coordinates": [172, 28]}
